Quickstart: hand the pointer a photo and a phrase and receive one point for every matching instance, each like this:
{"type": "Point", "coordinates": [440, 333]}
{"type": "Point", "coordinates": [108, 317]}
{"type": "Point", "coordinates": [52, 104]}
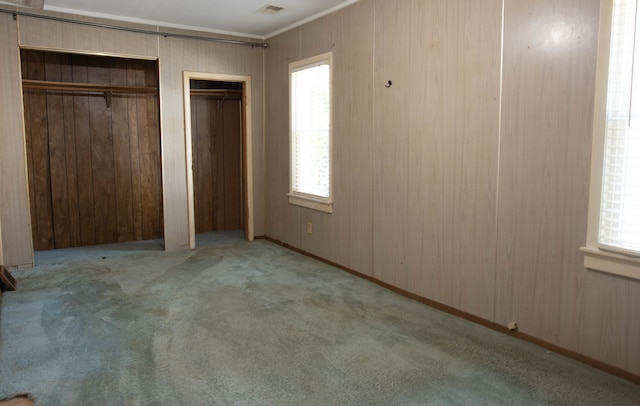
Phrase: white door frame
{"type": "Point", "coordinates": [247, 161]}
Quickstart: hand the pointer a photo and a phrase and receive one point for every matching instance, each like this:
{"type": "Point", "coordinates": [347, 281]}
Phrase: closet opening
{"type": "Point", "coordinates": [93, 148]}
{"type": "Point", "coordinates": [219, 150]}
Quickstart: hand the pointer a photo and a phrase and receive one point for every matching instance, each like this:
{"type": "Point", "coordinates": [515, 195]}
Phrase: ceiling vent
{"type": "Point", "coordinates": [271, 9]}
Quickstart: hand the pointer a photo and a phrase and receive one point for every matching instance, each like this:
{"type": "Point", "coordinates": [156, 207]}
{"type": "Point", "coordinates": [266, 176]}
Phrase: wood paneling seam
{"type": "Point", "coordinates": [497, 207]}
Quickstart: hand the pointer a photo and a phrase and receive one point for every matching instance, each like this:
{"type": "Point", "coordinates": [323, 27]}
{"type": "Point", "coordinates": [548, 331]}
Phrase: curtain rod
{"type": "Point", "coordinates": [140, 31]}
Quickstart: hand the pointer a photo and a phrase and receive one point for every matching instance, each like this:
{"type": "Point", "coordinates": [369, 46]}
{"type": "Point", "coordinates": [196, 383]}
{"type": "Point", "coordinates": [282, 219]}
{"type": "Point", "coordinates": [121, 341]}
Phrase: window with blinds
{"type": "Point", "coordinates": [310, 138]}
{"type": "Point", "coordinates": [619, 226]}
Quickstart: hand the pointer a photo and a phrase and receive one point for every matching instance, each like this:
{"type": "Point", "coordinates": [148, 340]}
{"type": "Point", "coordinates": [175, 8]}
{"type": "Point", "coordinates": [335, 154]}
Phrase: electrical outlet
{"type": "Point", "coordinates": [309, 227]}
{"type": "Point", "coordinates": [512, 326]}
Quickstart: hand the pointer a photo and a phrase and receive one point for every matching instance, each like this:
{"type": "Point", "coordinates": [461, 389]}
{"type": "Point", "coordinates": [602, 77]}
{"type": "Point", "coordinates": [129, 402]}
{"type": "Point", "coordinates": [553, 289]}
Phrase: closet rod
{"type": "Point", "coordinates": [217, 92]}
{"type": "Point", "coordinates": [137, 30]}
{"type": "Point", "coordinates": [85, 87]}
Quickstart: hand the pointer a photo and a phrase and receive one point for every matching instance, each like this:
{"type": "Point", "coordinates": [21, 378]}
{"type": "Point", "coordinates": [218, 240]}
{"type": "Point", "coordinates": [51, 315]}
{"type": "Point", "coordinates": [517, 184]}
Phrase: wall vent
{"type": "Point", "coordinates": [271, 9]}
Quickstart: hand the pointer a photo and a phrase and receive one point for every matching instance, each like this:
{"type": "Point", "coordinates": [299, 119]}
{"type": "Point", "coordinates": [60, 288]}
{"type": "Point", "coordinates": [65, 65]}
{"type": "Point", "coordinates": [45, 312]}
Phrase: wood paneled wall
{"type": "Point", "coordinates": [93, 162]}
{"type": "Point", "coordinates": [174, 56]}
{"type": "Point", "coordinates": [16, 242]}
{"type": "Point", "coordinates": [51, 34]}
{"type": "Point", "coordinates": [412, 201]}
{"type": "Point", "coordinates": [436, 138]}
{"type": "Point", "coordinates": [346, 235]}
{"type": "Point", "coordinates": [465, 182]}
{"type": "Point", "coordinates": [549, 74]}
{"type": "Point", "coordinates": [283, 222]}
{"type": "Point", "coordinates": [179, 55]}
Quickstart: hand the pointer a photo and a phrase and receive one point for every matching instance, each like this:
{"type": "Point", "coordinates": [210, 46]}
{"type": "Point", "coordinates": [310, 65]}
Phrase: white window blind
{"type": "Point", "coordinates": [310, 130]}
{"type": "Point", "coordinates": [619, 227]}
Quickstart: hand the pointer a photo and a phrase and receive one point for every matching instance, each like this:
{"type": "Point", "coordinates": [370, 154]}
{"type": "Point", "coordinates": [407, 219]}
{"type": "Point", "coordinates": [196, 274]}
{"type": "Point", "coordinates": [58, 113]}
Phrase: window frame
{"type": "Point", "coordinates": [596, 257]}
{"type": "Point", "coordinates": [315, 202]}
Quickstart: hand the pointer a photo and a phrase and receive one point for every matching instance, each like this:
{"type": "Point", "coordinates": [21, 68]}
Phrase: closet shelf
{"type": "Point", "coordinates": [84, 87]}
{"type": "Point", "coordinates": [231, 94]}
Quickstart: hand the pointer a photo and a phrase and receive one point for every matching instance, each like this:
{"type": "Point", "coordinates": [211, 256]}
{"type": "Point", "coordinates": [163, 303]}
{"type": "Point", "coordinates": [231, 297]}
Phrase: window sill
{"type": "Point", "coordinates": [610, 262]}
{"type": "Point", "coordinates": [311, 203]}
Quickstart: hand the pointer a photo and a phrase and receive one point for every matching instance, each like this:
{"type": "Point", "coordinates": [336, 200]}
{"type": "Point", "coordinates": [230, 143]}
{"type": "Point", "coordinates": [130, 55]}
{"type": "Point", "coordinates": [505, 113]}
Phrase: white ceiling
{"type": "Point", "coordinates": [238, 17]}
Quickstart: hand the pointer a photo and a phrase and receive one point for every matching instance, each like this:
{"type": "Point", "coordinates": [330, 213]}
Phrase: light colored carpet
{"type": "Point", "coordinates": [252, 323]}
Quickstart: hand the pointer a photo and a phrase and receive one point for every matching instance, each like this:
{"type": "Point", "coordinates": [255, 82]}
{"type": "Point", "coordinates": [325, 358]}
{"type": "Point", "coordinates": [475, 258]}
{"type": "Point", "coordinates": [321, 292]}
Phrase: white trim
{"type": "Point", "coordinates": [311, 202]}
{"type": "Point", "coordinates": [610, 262]}
{"type": "Point", "coordinates": [247, 205]}
{"type": "Point", "coordinates": [309, 19]}
{"type": "Point", "coordinates": [156, 24]}
{"type": "Point", "coordinates": [599, 122]}
{"type": "Point", "coordinates": [306, 63]}
{"type": "Point", "coordinates": [595, 257]}
{"type": "Point", "coordinates": [25, 160]}
{"type": "Point", "coordinates": [188, 148]}
{"type": "Point", "coordinates": [296, 198]}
